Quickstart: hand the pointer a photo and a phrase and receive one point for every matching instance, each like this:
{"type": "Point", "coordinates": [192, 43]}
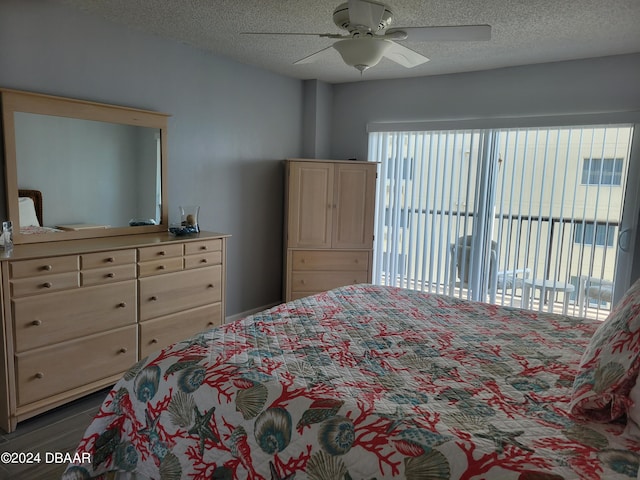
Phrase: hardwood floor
{"type": "Point", "coordinates": [59, 430]}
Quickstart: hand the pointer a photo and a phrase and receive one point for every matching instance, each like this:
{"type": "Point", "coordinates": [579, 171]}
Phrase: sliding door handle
{"type": "Point", "coordinates": [623, 240]}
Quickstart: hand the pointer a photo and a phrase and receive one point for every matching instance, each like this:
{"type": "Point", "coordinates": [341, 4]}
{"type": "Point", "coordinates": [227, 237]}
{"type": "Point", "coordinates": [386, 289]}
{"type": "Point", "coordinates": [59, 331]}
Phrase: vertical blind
{"type": "Point", "coordinates": [473, 213]}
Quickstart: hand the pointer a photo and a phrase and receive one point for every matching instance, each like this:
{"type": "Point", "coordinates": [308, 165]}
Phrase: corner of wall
{"type": "Point", "coordinates": [317, 105]}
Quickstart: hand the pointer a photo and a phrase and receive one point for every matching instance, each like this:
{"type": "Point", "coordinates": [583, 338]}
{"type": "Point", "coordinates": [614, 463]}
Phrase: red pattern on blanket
{"type": "Point", "coordinates": [361, 382]}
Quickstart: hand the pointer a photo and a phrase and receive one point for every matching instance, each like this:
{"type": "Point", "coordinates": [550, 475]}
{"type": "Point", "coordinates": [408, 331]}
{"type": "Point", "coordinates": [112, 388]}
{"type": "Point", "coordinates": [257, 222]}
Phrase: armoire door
{"type": "Point", "coordinates": [311, 204]}
{"type": "Point", "coordinates": [354, 204]}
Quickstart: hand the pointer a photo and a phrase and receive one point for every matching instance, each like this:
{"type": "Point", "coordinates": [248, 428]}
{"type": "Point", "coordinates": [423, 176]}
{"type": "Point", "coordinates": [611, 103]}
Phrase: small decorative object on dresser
{"type": "Point", "coordinates": [6, 239]}
{"type": "Point", "coordinates": [188, 222]}
{"type": "Point", "coordinates": [329, 215]}
{"type": "Point", "coordinates": [189, 218]}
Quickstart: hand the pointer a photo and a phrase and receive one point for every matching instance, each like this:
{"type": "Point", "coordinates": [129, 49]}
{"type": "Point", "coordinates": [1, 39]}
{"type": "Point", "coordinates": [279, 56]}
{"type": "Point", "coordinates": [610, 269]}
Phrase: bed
{"type": "Point", "coordinates": [367, 382]}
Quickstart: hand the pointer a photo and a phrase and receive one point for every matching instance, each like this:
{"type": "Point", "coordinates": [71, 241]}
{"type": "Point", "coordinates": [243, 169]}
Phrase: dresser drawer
{"type": "Point", "coordinates": [56, 317]}
{"type": "Point", "coordinates": [202, 246]}
{"type": "Point", "coordinates": [51, 370]}
{"type": "Point", "coordinates": [101, 276]}
{"type": "Point", "coordinates": [160, 252]}
{"type": "Point", "coordinates": [161, 332]}
{"type": "Point", "coordinates": [330, 260]}
{"type": "Point", "coordinates": [159, 267]}
{"type": "Point", "coordinates": [107, 259]}
{"type": "Point", "coordinates": [322, 281]}
{"type": "Point", "coordinates": [175, 292]}
{"type": "Point", "coordinates": [44, 284]}
{"type": "Point", "coordinates": [43, 266]}
{"type": "Point", "coordinates": [202, 260]}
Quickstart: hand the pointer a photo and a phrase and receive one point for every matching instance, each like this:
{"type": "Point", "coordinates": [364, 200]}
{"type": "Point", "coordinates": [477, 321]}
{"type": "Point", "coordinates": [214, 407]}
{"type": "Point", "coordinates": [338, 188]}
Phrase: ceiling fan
{"type": "Point", "coordinates": [369, 38]}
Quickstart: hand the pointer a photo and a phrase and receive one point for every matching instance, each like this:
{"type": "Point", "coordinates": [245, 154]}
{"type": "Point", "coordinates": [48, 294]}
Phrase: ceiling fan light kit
{"type": "Point", "coordinates": [362, 53]}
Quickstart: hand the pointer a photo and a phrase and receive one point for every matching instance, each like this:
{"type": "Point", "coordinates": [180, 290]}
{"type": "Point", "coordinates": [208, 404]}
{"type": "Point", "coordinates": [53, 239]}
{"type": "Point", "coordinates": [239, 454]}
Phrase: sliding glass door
{"type": "Point", "coordinates": [523, 217]}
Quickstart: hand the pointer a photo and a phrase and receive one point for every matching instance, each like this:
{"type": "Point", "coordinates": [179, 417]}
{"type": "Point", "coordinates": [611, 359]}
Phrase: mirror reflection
{"type": "Point", "coordinates": [90, 173]}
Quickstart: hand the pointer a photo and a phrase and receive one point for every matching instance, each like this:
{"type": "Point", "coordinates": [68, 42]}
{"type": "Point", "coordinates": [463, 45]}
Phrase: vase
{"type": "Point", "coordinates": [189, 218]}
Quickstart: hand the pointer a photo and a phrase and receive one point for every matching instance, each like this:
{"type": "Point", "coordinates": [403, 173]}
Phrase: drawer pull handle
{"type": "Point", "coordinates": [36, 323]}
{"type": "Point", "coordinates": [123, 350]}
{"type": "Point", "coordinates": [122, 304]}
{"type": "Point", "coordinates": [210, 324]}
{"type": "Point", "coordinates": [111, 275]}
{"type": "Point", "coordinates": [204, 260]}
{"type": "Point", "coordinates": [203, 247]}
{"type": "Point", "coordinates": [211, 285]}
{"type": "Point", "coordinates": [154, 340]}
{"type": "Point", "coordinates": [47, 285]}
{"type": "Point", "coordinates": [303, 282]}
{"type": "Point", "coordinates": [48, 268]}
{"type": "Point", "coordinates": [153, 298]}
{"type": "Point", "coordinates": [162, 253]}
{"type": "Point", "coordinates": [111, 260]}
{"type": "Point", "coordinates": [39, 375]}
{"type": "Point", "coordinates": [162, 267]}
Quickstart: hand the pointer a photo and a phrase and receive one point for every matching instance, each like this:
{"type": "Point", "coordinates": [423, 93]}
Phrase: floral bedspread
{"type": "Point", "coordinates": [361, 382]}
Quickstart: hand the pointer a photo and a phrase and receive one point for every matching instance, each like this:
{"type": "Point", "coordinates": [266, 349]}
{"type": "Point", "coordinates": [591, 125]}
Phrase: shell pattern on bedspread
{"type": "Point", "coordinates": [361, 382]}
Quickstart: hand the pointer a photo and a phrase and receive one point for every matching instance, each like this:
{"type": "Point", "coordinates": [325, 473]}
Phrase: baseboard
{"type": "Point", "coordinates": [238, 316]}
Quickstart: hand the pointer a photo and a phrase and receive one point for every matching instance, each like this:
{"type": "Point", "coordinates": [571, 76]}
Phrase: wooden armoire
{"type": "Point", "coordinates": [329, 217]}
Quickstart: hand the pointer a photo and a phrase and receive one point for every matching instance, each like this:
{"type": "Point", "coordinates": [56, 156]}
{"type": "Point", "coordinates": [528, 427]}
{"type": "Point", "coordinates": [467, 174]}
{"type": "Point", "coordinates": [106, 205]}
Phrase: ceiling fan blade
{"type": "Point", "coordinates": [404, 56]}
{"type": "Point", "coordinates": [366, 13]}
{"type": "Point", "coordinates": [461, 33]}
{"type": "Point", "coordinates": [315, 56]}
{"type": "Point", "coordinates": [323, 35]}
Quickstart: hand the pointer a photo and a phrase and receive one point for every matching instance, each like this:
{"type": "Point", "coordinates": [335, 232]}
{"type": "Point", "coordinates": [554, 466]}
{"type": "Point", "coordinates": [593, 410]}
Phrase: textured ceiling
{"type": "Point", "coordinates": [523, 31]}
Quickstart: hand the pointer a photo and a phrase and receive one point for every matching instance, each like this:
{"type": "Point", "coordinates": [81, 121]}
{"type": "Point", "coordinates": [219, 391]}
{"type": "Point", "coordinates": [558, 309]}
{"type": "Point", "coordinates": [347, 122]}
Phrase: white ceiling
{"type": "Point", "coordinates": [523, 31]}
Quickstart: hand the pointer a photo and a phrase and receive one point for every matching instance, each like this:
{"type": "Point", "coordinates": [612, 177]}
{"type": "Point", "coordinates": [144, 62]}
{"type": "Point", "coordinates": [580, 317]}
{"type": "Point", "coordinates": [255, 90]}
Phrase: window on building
{"type": "Point", "coordinates": [602, 171]}
{"type": "Point", "coordinates": [600, 234]}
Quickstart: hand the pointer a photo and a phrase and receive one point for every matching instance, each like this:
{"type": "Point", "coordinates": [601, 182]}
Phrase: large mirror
{"type": "Point", "coordinates": [100, 170]}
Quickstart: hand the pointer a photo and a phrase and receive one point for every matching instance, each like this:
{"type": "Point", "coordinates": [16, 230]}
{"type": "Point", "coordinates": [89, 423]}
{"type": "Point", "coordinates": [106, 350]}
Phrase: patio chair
{"type": "Point", "coordinates": [460, 268]}
{"type": "Point", "coordinates": [512, 279]}
{"type": "Point", "coordinates": [596, 289]}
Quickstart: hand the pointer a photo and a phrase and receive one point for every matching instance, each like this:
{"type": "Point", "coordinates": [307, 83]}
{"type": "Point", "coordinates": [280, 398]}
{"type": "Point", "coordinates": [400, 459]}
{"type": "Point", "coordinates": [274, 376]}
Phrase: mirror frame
{"type": "Point", "coordinates": [18, 101]}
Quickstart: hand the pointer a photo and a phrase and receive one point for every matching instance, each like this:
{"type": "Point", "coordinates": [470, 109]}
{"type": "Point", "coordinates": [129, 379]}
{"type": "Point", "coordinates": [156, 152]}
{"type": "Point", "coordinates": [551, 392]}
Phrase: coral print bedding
{"type": "Point", "coordinates": [362, 382]}
{"type": "Point", "coordinates": [610, 364]}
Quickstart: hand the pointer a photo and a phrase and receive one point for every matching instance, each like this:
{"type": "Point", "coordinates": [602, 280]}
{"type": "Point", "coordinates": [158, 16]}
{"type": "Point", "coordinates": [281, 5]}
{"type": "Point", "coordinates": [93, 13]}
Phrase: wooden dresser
{"type": "Point", "coordinates": [79, 313]}
{"type": "Point", "coordinates": [329, 216]}
{"type": "Point", "coordinates": [180, 284]}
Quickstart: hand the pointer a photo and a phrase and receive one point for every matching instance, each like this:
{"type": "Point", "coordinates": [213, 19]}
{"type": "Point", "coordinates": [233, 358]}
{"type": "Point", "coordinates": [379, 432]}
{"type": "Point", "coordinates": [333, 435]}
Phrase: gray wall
{"type": "Point", "coordinates": [578, 87]}
{"type": "Point", "coordinates": [230, 128]}
{"type": "Point", "coordinates": [317, 119]}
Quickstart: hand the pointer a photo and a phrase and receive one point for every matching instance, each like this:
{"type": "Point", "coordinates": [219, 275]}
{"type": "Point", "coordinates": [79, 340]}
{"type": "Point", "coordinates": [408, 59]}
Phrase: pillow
{"type": "Point", "coordinates": [27, 211]}
{"type": "Point", "coordinates": [609, 366]}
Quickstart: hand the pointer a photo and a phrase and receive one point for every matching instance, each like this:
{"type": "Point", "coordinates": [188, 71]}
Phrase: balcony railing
{"type": "Point", "coordinates": [417, 253]}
